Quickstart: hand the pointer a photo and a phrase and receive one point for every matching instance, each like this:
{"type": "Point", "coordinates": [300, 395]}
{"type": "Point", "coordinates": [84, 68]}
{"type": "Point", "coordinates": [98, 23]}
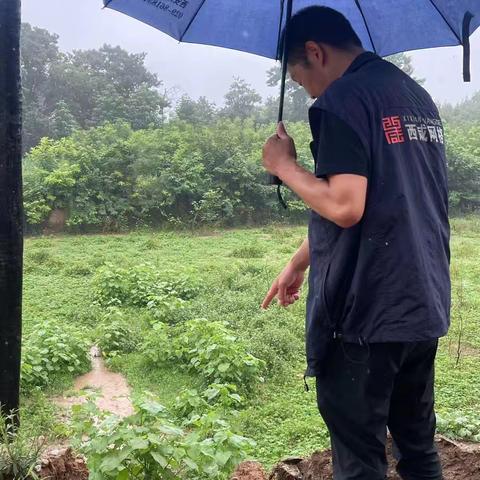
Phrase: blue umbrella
{"type": "Point", "coordinates": [384, 26]}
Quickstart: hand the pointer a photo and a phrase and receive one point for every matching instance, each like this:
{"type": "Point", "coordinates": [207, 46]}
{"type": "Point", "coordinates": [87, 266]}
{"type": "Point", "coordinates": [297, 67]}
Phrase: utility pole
{"type": "Point", "coordinates": [11, 209]}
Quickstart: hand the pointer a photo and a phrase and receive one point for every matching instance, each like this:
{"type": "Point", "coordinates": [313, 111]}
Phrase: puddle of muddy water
{"type": "Point", "coordinates": [113, 392]}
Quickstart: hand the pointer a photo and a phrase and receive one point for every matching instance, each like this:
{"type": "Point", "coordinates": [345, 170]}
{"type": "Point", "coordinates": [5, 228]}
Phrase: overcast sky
{"type": "Point", "coordinates": [203, 70]}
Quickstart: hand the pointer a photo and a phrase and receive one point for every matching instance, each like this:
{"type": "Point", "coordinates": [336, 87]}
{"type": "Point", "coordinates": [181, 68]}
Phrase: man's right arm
{"type": "Point", "coordinates": [286, 286]}
{"type": "Point", "coordinates": [301, 259]}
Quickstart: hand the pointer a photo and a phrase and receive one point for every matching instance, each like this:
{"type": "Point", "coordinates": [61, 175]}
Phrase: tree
{"type": "Point", "coordinates": [40, 57]}
{"type": "Point", "coordinates": [241, 100]}
{"type": "Point", "coordinates": [463, 154]}
{"type": "Point", "coordinates": [82, 89]}
{"type": "Point", "coordinates": [62, 122]}
{"type": "Point", "coordinates": [465, 112]}
{"type": "Point", "coordinates": [404, 62]}
{"type": "Point", "coordinates": [39, 54]}
{"type": "Point", "coordinates": [200, 112]}
{"type": "Point", "coordinates": [125, 71]}
{"type": "Point", "coordinates": [296, 99]}
{"type": "Point", "coordinates": [111, 84]}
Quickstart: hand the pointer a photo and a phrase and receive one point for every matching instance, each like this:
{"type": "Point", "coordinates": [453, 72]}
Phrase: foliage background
{"type": "Point", "coordinates": [111, 150]}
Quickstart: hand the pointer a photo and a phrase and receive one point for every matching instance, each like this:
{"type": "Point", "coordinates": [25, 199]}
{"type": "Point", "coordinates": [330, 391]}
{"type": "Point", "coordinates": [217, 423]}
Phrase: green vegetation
{"type": "Point", "coordinates": [52, 349]}
{"type": "Point", "coordinates": [182, 175]}
{"type": "Point", "coordinates": [194, 367]}
{"type": "Point", "coordinates": [460, 427]}
{"type": "Point", "coordinates": [205, 348]}
{"type": "Point", "coordinates": [111, 177]}
{"type": "Point", "coordinates": [19, 451]}
{"type": "Point", "coordinates": [463, 152]}
{"type": "Point", "coordinates": [151, 444]}
{"type": "Point", "coordinates": [106, 151]}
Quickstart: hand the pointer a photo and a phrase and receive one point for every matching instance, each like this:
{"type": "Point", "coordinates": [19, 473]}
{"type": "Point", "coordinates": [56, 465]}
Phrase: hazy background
{"type": "Point", "coordinates": [204, 70]}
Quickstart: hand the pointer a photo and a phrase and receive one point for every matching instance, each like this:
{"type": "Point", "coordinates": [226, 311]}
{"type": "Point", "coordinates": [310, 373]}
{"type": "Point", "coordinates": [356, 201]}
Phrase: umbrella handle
{"type": "Point", "coordinates": [272, 179]}
{"type": "Point", "coordinates": [284, 59]}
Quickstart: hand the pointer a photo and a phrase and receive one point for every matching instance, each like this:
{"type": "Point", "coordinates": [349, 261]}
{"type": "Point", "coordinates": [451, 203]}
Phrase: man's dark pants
{"type": "Point", "coordinates": [364, 390]}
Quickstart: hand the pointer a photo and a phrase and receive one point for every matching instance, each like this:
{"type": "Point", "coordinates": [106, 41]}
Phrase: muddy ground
{"type": "Point", "coordinates": [460, 462]}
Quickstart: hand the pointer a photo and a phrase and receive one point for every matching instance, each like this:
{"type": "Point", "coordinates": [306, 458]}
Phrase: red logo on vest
{"type": "Point", "coordinates": [393, 130]}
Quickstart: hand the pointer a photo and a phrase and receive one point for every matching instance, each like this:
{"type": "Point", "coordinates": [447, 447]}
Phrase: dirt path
{"type": "Point", "coordinates": [112, 388]}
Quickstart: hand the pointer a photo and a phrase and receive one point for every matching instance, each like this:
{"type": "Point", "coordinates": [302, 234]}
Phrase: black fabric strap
{"type": "Point", "coordinates": [280, 197]}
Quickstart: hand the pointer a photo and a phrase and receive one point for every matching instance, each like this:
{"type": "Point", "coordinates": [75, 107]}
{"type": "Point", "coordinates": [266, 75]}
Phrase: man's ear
{"type": "Point", "coordinates": [314, 52]}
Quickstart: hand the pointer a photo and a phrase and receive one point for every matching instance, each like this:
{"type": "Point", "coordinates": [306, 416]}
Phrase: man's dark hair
{"type": "Point", "coordinates": [320, 25]}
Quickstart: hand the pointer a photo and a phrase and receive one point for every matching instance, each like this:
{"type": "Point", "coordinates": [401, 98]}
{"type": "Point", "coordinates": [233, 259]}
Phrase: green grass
{"type": "Point", "coordinates": [234, 269]}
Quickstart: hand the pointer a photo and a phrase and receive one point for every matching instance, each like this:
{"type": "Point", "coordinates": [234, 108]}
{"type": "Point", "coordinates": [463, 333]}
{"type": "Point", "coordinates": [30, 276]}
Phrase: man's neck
{"type": "Point", "coordinates": [345, 60]}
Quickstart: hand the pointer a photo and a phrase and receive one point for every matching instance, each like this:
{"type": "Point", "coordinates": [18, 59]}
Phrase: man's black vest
{"type": "Point", "coordinates": [387, 278]}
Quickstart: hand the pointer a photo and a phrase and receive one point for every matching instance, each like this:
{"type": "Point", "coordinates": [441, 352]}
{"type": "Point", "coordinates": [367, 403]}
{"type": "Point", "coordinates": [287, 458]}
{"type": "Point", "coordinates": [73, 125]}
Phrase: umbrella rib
{"type": "Point", "coordinates": [446, 21]}
{"type": "Point", "coordinates": [282, 5]}
{"type": "Point", "coordinates": [191, 21]}
{"type": "Point", "coordinates": [357, 2]}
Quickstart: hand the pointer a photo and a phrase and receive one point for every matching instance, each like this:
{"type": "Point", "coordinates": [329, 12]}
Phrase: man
{"type": "Point", "coordinates": [377, 247]}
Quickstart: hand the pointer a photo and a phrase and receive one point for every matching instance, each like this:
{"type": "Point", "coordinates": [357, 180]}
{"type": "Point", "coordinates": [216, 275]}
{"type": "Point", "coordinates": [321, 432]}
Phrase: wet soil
{"type": "Point", "coordinates": [461, 461]}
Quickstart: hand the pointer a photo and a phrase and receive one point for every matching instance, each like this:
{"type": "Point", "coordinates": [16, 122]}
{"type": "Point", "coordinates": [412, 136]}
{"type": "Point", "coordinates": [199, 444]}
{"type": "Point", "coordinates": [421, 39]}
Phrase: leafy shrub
{"type": "Point", "coordinates": [213, 209]}
{"type": "Point", "coordinates": [148, 444]}
{"type": "Point", "coordinates": [116, 336]}
{"type": "Point", "coordinates": [112, 177]}
{"type": "Point", "coordinates": [179, 288]}
{"type": "Point", "coordinates": [112, 286]}
{"type": "Point", "coordinates": [156, 347]}
{"type": "Point", "coordinates": [217, 397]}
{"type": "Point", "coordinates": [51, 350]}
{"type": "Point", "coordinates": [210, 349]}
{"type": "Point", "coordinates": [457, 426]}
{"type": "Point", "coordinates": [142, 286]}
{"type": "Point", "coordinates": [167, 309]}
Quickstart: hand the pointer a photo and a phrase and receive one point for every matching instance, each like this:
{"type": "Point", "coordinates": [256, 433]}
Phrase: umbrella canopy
{"type": "Point", "coordinates": [384, 26]}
